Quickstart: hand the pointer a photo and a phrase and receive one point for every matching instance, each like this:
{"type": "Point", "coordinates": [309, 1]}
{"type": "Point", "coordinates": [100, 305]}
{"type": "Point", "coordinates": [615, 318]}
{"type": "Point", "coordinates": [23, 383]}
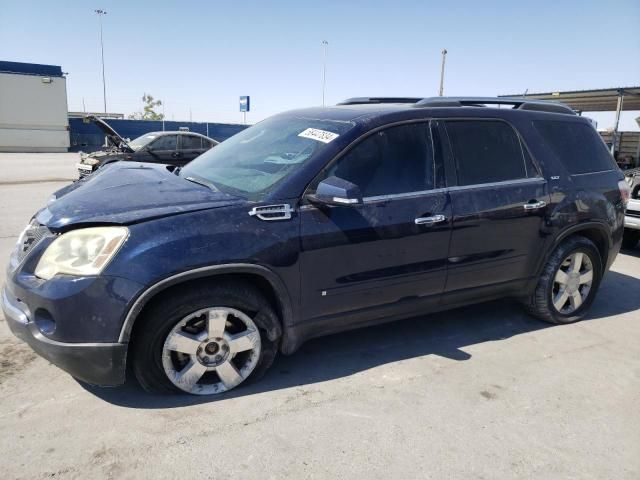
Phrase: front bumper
{"type": "Point", "coordinates": [95, 363]}
{"type": "Point", "coordinates": [84, 169]}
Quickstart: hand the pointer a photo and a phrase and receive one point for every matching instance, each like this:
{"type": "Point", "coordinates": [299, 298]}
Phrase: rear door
{"type": "Point", "coordinates": [384, 253]}
{"type": "Point", "coordinates": [207, 144]}
{"type": "Point", "coordinates": [164, 149]}
{"type": "Point", "coordinates": [190, 147]}
{"type": "Point", "coordinates": [499, 203]}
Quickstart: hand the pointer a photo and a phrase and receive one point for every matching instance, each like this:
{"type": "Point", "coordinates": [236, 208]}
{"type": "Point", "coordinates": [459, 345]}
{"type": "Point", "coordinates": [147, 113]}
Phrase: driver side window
{"type": "Point", "coordinates": [165, 142]}
{"type": "Point", "coordinates": [392, 161]}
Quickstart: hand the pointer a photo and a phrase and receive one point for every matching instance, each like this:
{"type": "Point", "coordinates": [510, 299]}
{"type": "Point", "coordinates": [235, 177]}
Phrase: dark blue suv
{"type": "Point", "coordinates": [312, 222]}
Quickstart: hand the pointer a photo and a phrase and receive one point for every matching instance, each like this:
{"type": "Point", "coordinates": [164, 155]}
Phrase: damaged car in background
{"type": "Point", "coordinates": [170, 147]}
{"type": "Point", "coordinates": [632, 215]}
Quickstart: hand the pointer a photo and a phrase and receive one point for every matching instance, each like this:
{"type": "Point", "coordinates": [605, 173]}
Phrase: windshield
{"type": "Point", "coordinates": [252, 162]}
{"type": "Point", "coordinates": [142, 141]}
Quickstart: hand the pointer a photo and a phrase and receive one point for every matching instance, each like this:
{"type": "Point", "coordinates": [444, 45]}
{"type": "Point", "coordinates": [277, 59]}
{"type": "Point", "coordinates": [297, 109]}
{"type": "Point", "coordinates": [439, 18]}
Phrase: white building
{"type": "Point", "coordinates": [33, 108]}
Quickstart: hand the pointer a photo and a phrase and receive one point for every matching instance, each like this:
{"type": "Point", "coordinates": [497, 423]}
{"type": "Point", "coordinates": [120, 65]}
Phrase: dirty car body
{"type": "Point", "coordinates": [166, 147]}
{"type": "Point", "coordinates": [324, 252]}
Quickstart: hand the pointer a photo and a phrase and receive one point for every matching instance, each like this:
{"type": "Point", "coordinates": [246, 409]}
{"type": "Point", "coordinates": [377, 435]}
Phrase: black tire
{"type": "Point", "coordinates": [540, 304]}
{"type": "Point", "coordinates": [630, 238]}
{"type": "Point", "coordinates": [152, 328]}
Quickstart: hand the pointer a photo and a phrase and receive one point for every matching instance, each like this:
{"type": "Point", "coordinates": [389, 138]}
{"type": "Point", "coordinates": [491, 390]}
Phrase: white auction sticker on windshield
{"type": "Point", "coordinates": [319, 135]}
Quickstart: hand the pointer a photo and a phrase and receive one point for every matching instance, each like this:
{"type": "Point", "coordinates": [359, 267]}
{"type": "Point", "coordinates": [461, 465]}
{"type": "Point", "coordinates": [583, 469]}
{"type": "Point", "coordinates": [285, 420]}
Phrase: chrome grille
{"type": "Point", "coordinates": [30, 237]}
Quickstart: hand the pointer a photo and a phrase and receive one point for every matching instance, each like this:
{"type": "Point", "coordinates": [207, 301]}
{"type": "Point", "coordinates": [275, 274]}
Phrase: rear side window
{"type": "Point", "coordinates": [191, 142]}
{"type": "Point", "coordinates": [487, 151]}
{"type": "Point", "coordinates": [391, 161]}
{"type": "Point", "coordinates": [576, 145]}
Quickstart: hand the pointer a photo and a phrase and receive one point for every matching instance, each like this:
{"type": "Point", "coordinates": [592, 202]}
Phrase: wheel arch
{"type": "Point", "coordinates": [261, 277]}
{"type": "Point", "coordinates": [594, 231]}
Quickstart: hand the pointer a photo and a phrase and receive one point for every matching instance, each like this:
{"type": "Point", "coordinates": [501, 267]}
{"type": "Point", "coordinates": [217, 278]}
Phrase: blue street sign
{"type": "Point", "coordinates": [245, 104]}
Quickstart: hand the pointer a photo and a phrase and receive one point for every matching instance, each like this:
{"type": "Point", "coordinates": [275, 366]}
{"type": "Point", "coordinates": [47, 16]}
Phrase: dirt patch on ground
{"type": "Point", "coordinates": [14, 357]}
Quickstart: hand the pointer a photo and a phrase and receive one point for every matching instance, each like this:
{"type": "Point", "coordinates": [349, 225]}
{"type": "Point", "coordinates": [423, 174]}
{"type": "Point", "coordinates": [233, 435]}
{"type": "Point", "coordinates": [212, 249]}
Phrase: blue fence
{"type": "Point", "coordinates": [89, 138]}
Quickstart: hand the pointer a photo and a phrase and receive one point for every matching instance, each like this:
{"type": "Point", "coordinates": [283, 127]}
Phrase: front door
{"type": "Point", "coordinates": [390, 253]}
{"type": "Point", "coordinates": [499, 206]}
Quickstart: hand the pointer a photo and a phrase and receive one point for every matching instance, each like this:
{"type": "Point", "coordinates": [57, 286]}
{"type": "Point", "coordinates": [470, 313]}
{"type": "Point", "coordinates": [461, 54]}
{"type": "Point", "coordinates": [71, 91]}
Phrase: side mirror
{"type": "Point", "coordinates": [336, 191]}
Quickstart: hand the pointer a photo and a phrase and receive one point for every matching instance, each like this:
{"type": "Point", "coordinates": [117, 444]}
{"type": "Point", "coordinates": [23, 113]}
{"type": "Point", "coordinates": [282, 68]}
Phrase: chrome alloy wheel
{"type": "Point", "coordinates": [572, 283]}
{"type": "Point", "coordinates": [211, 351]}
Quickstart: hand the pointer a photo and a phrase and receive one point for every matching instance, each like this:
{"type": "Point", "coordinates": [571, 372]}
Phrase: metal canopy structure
{"type": "Point", "coordinates": [600, 100]}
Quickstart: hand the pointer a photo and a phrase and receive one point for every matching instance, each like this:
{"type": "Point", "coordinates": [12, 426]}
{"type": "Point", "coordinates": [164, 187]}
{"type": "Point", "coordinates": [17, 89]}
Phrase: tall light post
{"type": "Point", "coordinates": [102, 13]}
{"type": "Point", "coordinates": [444, 58]}
{"type": "Point", "coordinates": [325, 44]}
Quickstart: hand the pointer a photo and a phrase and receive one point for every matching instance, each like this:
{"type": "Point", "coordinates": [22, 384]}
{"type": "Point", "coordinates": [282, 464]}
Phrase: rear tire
{"type": "Point", "coordinates": [568, 283]}
{"type": "Point", "coordinates": [208, 319]}
{"type": "Point", "coordinates": [630, 239]}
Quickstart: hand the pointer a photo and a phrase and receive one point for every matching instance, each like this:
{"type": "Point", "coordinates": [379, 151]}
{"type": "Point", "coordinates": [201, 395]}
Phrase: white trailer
{"type": "Point", "coordinates": [33, 108]}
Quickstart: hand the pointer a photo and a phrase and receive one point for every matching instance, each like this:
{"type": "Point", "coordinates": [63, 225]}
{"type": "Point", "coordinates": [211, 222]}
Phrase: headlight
{"type": "Point", "coordinates": [86, 251]}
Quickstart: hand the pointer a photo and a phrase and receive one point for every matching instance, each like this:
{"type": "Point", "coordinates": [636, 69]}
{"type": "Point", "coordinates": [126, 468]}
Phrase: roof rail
{"type": "Point", "coordinates": [378, 100]}
{"type": "Point", "coordinates": [517, 103]}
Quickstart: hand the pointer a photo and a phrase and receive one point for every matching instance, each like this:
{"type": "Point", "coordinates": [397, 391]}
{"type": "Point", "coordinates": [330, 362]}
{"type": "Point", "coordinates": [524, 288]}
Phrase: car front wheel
{"type": "Point", "coordinates": [630, 238]}
{"type": "Point", "coordinates": [204, 342]}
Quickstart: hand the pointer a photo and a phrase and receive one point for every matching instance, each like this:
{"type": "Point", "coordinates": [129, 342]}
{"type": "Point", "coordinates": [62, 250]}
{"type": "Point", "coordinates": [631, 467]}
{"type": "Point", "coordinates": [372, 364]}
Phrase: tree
{"type": "Point", "coordinates": [148, 112]}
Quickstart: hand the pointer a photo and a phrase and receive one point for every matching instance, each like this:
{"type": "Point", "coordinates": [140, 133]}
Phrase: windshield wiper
{"type": "Point", "coordinates": [203, 182]}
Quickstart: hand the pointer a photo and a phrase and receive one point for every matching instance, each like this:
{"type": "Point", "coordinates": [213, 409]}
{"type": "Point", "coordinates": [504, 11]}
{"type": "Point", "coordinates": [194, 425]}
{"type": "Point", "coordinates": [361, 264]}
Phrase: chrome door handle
{"type": "Point", "coordinates": [430, 220]}
{"type": "Point", "coordinates": [535, 205]}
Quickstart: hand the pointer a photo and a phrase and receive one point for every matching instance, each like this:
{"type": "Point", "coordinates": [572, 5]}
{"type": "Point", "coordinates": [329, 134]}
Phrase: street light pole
{"type": "Point", "coordinates": [102, 13]}
{"type": "Point", "coordinates": [444, 58]}
{"type": "Point", "coordinates": [324, 68]}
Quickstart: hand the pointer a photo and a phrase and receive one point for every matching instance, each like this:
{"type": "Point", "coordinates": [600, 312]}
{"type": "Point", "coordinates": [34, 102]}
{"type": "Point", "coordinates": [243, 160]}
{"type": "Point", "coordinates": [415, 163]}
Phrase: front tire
{"type": "Point", "coordinates": [630, 238]}
{"type": "Point", "coordinates": [204, 341]}
{"type": "Point", "coordinates": [568, 283]}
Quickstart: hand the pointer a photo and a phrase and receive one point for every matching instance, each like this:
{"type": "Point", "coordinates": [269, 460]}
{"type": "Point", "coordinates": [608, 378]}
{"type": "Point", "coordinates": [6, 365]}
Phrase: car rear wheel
{"type": "Point", "coordinates": [630, 239]}
{"type": "Point", "coordinates": [204, 342]}
{"type": "Point", "coordinates": [568, 283]}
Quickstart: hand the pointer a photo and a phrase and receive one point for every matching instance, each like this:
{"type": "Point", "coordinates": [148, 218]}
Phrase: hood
{"type": "Point", "coordinates": [101, 156]}
{"type": "Point", "coordinates": [114, 137]}
{"type": "Point", "coordinates": [128, 192]}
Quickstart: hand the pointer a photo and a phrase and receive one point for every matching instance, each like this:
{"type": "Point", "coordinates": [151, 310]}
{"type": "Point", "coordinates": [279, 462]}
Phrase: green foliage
{"type": "Point", "coordinates": [148, 111]}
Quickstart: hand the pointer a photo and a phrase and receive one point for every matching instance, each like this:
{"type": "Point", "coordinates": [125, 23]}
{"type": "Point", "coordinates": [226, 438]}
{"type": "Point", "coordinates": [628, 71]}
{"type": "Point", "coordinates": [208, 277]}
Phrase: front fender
{"type": "Point", "coordinates": [207, 272]}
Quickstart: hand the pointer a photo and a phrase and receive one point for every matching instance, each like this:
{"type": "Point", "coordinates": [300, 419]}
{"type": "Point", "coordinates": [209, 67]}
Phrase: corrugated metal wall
{"type": "Point", "coordinates": [88, 137]}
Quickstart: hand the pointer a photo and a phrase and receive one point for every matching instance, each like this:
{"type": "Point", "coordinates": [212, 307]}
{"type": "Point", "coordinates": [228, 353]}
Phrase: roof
{"type": "Point", "coordinates": [377, 105]}
{"type": "Point", "coordinates": [599, 100]}
{"type": "Point", "coordinates": [31, 69]}
{"type": "Point", "coordinates": [175, 132]}
{"type": "Point", "coordinates": [107, 116]}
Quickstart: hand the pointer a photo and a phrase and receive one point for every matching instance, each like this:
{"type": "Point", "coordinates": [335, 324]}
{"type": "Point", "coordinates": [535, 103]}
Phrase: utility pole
{"type": "Point", "coordinates": [102, 13]}
{"type": "Point", "coordinates": [444, 58]}
{"type": "Point", "coordinates": [325, 44]}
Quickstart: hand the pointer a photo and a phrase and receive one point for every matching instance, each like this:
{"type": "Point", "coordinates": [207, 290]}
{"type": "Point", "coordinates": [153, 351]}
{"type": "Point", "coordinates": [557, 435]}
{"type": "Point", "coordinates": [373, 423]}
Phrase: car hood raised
{"type": "Point", "coordinates": [114, 137]}
{"type": "Point", "coordinates": [128, 192]}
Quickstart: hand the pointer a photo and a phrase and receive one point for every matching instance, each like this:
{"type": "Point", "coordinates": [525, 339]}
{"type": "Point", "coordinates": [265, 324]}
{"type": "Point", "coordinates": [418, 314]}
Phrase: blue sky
{"type": "Point", "coordinates": [200, 56]}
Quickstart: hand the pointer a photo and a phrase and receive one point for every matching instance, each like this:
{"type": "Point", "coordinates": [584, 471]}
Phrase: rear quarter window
{"type": "Point", "coordinates": [577, 145]}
